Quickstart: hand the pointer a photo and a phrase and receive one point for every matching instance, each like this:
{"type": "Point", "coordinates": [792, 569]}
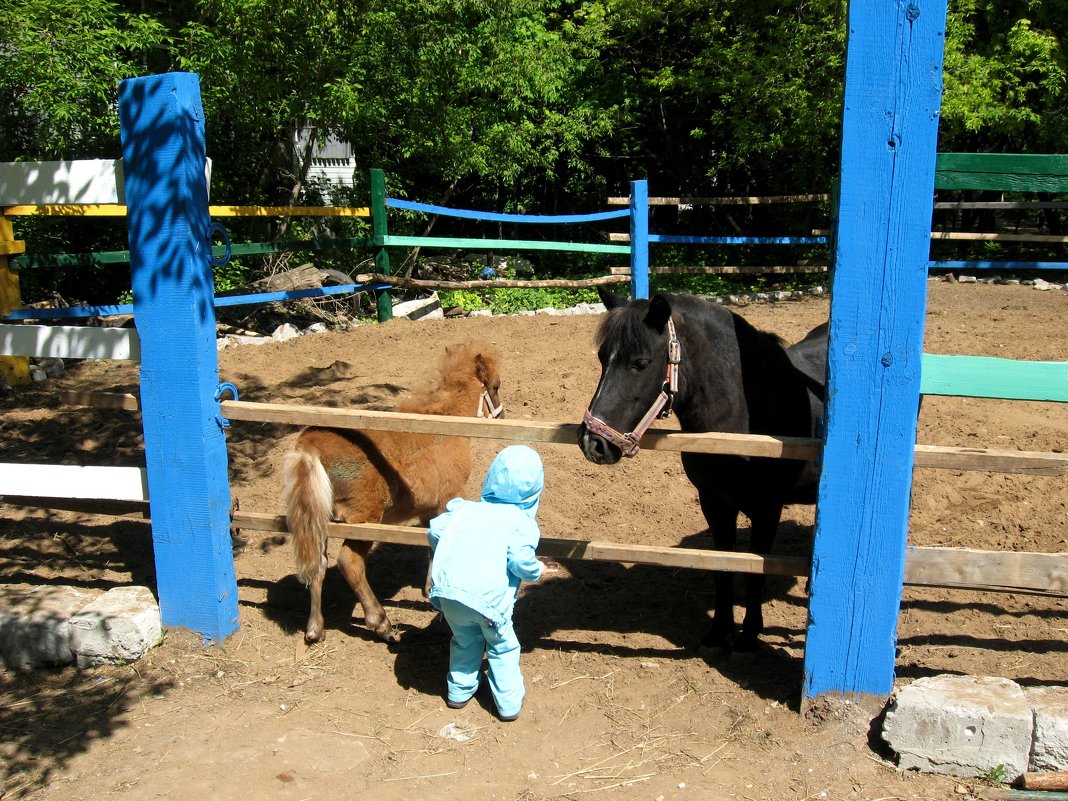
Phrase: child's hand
{"type": "Point", "coordinates": [549, 566]}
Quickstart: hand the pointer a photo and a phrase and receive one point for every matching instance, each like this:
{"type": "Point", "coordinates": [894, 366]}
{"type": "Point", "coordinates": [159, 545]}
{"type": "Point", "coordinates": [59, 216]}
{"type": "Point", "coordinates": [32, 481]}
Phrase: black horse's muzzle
{"type": "Point", "coordinates": [596, 448]}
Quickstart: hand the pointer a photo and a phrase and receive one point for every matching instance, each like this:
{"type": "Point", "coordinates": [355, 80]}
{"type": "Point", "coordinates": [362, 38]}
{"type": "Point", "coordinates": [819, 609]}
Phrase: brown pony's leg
{"type": "Point", "coordinates": [352, 562]}
{"type": "Point", "coordinates": [315, 630]}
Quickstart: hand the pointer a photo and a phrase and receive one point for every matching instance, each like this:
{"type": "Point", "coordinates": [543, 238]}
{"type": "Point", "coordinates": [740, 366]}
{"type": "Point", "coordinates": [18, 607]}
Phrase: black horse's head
{"type": "Point", "coordinates": [633, 345]}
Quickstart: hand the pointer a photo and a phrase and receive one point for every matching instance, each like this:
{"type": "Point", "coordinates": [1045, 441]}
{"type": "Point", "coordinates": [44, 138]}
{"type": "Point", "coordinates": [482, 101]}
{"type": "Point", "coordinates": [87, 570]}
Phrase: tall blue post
{"type": "Point", "coordinates": [162, 128]}
{"type": "Point", "coordinates": [639, 239]}
{"type": "Point", "coordinates": [889, 136]}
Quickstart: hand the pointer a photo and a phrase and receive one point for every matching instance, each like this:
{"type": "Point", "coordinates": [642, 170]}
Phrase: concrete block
{"type": "Point", "coordinates": [34, 629]}
{"type": "Point", "coordinates": [1049, 748]}
{"type": "Point", "coordinates": [428, 308]}
{"type": "Point", "coordinates": [960, 726]}
{"type": "Point", "coordinates": [119, 626]}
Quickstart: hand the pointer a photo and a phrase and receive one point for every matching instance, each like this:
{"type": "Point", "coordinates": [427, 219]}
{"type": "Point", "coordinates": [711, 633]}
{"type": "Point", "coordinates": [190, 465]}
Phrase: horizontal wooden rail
{"type": "Point", "coordinates": [74, 481]}
{"type": "Point", "coordinates": [945, 457]}
{"type": "Point", "coordinates": [729, 270]}
{"type": "Point", "coordinates": [967, 236]}
{"type": "Point", "coordinates": [1037, 573]}
{"type": "Point", "coordinates": [1008, 205]}
{"type": "Point", "coordinates": [497, 244]}
{"type": "Point", "coordinates": [722, 201]}
{"type": "Point", "coordinates": [69, 342]}
{"type": "Point", "coordinates": [927, 456]}
{"type": "Point", "coordinates": [119, 210]}
{"type": "Point", "coordinates": [497, 283]}
{"type": "Point", "coordinates": [989, 377]}
{"type": "Point", "coordinates": [982, 237]}
{"type": "Point", "coordinates": [954, 568]}
{"type": "Point", "coordinates": [1003, 172]}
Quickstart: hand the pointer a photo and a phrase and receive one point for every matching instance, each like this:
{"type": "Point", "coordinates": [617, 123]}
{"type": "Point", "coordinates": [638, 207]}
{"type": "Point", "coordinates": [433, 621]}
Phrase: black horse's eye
{"type": "Point", "coordinates": [639, 364]}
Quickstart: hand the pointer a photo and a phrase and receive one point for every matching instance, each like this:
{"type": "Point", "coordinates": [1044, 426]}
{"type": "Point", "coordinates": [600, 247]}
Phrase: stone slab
{"type": "Point", "coordinates": [1049, 749]}
{"type": "Point", "coordinates": [961, 726]}
{"type": "Point", "coordinates": [34, 624]}
{"type": "Point", "coordinates": [119, 626]}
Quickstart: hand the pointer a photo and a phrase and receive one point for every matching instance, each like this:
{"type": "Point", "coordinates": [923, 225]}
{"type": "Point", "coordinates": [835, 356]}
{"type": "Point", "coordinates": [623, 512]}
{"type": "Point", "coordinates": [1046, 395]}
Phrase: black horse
{"type": "Point", "coordinates": [717, 372]}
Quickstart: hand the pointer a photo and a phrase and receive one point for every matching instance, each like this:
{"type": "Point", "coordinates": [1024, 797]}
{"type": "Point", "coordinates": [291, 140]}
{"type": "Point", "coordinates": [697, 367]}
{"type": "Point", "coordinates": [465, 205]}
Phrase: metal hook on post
{"type": "Point", "coordinates": [223, 388]}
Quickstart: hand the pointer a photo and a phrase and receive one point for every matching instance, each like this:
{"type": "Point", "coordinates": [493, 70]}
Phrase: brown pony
{"type": "Point", "coordinates": [392, 477]}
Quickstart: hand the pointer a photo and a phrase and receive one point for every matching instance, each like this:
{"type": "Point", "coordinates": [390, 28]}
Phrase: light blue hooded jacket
{"type": "Point", "coordinates": [484, 549]}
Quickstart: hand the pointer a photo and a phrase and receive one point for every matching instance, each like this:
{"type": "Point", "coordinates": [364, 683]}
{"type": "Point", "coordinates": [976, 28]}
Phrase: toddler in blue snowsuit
{"type": "Point", "coordinates": [482, 550]}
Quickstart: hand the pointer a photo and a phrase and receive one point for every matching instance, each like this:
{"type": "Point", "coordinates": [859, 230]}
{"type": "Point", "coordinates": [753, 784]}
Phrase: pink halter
{"type": "Point", "coordinates": [661, 408]}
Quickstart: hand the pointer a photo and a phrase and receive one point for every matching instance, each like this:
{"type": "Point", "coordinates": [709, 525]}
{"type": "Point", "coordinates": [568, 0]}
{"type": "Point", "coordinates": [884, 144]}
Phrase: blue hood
{"type": "Point", "coordinates": [516, 477]}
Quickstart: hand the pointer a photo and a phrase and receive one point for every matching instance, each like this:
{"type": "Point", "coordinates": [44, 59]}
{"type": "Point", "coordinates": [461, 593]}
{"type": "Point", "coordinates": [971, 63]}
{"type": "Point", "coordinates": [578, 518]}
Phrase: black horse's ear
{"type": "Point", "coordinates": [610, 299]}
{"type": "Point", "coordinates": [659, 312]}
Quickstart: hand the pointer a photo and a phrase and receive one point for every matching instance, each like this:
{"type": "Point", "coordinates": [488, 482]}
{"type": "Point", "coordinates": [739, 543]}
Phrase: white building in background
{"type": "Point", "coordinates": [332, 163]}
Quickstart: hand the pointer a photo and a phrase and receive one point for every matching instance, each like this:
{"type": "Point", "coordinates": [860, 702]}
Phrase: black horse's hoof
{"type": "Point", "coordinates": [747, 643]}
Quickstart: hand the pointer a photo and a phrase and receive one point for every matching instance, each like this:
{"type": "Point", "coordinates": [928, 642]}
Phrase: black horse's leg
{"type": "Point", "coordinates": [723, 523]}
{"type": "Point", "coordinates": [761, 535]}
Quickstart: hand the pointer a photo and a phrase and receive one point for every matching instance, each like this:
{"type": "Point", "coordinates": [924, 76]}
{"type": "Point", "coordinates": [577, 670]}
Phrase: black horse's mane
{"type": "Point", "coordinates": [624, 326]}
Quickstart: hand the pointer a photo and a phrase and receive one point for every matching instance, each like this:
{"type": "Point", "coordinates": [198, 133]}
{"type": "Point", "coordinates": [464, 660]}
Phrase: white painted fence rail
{"type": "Point", "coordinates": [74, 481]}
{"type": "Point", "coordinates": [69, 342]}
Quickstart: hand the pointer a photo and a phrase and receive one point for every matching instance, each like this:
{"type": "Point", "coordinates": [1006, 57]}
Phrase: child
{"type": "Point", "coordinates": [482, 550]}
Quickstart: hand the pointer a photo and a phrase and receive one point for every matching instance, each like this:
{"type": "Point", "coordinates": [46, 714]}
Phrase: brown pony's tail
{"type": "Point", "coordinates": [309, 498]}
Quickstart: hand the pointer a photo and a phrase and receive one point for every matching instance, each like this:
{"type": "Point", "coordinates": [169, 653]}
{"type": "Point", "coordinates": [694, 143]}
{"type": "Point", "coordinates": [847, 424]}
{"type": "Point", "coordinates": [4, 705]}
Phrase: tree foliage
{"type": "Point", "coordinates": [519, 105]}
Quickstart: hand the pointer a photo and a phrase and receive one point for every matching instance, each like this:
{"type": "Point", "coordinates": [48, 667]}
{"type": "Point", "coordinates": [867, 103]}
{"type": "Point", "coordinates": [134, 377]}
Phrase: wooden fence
{"type": "Point", "coordinates": [868, 452]}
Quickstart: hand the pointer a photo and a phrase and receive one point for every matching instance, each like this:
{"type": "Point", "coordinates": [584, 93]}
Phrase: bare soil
{"type": "Point", "coordinates": [619, 705]}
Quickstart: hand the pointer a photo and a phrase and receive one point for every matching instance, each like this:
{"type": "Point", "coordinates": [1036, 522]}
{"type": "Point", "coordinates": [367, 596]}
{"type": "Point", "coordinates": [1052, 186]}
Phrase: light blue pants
{"type": "Point", "coordinates": [471, 635]}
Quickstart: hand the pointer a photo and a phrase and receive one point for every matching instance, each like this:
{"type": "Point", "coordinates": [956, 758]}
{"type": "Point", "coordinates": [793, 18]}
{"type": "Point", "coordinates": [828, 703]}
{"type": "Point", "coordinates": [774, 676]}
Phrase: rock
{"type": "Point", "coordinates": [960, 726]}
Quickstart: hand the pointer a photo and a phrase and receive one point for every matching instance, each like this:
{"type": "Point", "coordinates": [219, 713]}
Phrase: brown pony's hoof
{"type": "Point", "coordinates": [312, 637]}
{"type": "Point", "coordinates": [388, 633]}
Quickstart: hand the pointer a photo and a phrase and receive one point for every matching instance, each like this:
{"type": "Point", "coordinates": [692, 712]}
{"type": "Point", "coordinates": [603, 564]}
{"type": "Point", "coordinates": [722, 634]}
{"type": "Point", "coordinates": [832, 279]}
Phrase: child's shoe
{"type": "Point", "coordinates": [509, 718]}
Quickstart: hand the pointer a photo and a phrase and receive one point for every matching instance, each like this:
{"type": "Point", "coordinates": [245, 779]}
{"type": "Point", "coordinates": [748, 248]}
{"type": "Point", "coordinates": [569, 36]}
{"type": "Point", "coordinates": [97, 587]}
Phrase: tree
{"type": "Point", "coordinates": [62, 61]}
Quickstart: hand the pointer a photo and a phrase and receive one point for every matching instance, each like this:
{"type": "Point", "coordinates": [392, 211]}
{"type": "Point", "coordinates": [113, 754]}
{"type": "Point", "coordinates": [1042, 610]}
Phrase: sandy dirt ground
{"type": "Point", "coordinates": [619, 704]}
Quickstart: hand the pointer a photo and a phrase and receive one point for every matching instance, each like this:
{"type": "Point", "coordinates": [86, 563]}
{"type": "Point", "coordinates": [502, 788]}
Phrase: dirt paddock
{"type": "Point", "coordinates": [619, 705]}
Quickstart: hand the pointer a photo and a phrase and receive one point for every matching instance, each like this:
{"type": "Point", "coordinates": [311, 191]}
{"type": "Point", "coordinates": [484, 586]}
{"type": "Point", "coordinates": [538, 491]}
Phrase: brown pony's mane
{"type": "Point", "coordinates": [457, 384]}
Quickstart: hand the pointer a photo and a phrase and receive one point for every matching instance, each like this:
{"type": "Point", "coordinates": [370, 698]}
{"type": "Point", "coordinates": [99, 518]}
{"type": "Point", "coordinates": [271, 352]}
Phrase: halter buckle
{"type": "Point", "coordinates": [486, 407]}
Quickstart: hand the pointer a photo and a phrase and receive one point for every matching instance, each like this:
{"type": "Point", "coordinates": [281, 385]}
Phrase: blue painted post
{"type": "Point", "coordinates": [639, 239]}
{"type": "Point", "coordinates": [889, 137]}
{"type": "Point", "coordinates": [162, 129]}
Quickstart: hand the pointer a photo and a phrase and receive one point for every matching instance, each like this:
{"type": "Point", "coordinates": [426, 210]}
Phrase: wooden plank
{"type": "Point", "coordinates": [14, 370]}
{"type": "Point", "coordinates": [66, 210]}
{"type": "Point", "coordinates": [514, 430]}
{"type": "Point", "coordinates": [987, 377]}
{"type": "Point", "coordinates": [1022, 205]}
{"type": "Point", "coordinates": [497, 283]}
{"type": "Point", "coordinates": [954, 568]}
{"type": "Point", "coordinates": [496, 244]}
{"type": "Point", "coordinates": [560, 548]}
{"type": "Point", "coordinates": [91, 506]}
{"type": "Point", "coordinates": [1009, 172]}
{"type": "Point", "coordinates": [119, 210]}
{"type": "Point", "coordinates": [1003, 571]}
{"type": "Point", "coordinates": [1036, 463]}
{"type": "Point", "coordinates": [927, 456]}
{"type": "Point", "coordinates": [723, 201]}
{"type": "Point", "coordinates": [289, 211]}
{"type": "Point", "coordinates": [74, 481]}
{"type": "Point", "coordinates": [977, 236]}
{"type": "Point", "coordinates": [81, 181]}
{"type": "Point", "coordinates": [101, 400]}
{"type": "Point", "coordinates": [729, 270]}
{"type": "Point", "coordinates": [70, 342]}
